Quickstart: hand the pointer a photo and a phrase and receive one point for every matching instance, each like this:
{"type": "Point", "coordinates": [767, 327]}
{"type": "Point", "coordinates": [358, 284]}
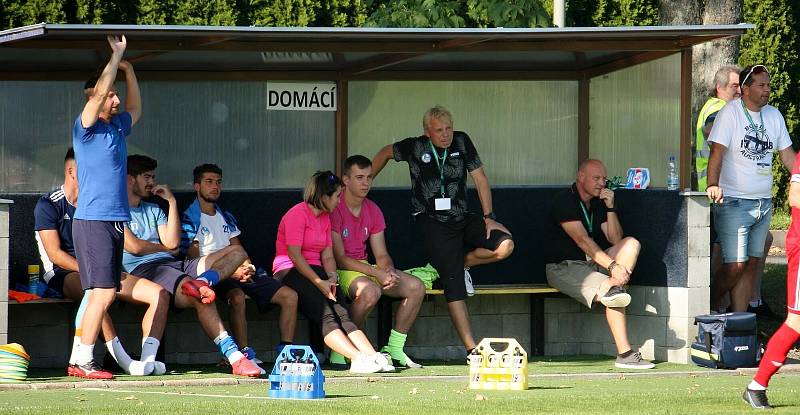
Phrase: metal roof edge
{"type": "Point", "coordinates": [24, 32]}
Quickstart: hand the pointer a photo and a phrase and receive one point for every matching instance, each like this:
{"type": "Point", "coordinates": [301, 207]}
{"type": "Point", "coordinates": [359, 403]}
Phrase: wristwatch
{"type": "Point", "coordinates": [611, 265]}
{"type": "Point", "coordinates": [490, 215]}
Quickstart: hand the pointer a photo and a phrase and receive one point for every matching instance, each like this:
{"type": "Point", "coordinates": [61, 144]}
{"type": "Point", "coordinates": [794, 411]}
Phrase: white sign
{"type": "Point", "coordinates": [286, 96]}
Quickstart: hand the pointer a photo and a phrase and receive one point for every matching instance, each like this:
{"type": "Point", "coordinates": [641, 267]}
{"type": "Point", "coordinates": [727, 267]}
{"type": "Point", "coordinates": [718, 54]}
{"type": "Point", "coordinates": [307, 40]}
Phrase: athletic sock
{"type": "Point", "coordinates": [74, 354]}
{"type": "Point", "coordinates": [119, 354]}
{"type": "Point", "coordinates": [755, 386]}
{"type": "Point", "coordinates": [149, 349]}
{"type": "Point", "coordinates": [626, 354]}
{"type": "Point", "coordinates": [130, 366]}
{"type": "Point", "coordinates": [85, 354]}
{"type": "Point", "coordinates": [210, 276]}
{"type": "Point", "coordinates": [397, 341]}
{"type": "Point", "coordinates": [777, 349]}
{"type": "Point", "coordinates": [227, 346]}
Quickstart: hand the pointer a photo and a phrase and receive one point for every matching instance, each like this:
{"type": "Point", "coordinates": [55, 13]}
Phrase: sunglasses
{"type": "Point", "coordinates": [755, 69]}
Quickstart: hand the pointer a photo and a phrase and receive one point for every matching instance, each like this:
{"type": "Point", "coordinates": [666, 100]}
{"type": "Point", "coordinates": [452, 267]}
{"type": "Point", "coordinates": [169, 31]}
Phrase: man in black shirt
{"type": "Point", "coordinates": [438, 162]}
{"type": "Point", "coordinates": [589, 259]}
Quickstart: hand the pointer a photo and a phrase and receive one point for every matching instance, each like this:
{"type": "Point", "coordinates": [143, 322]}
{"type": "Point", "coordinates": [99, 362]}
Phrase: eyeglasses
{"type": "Point", "coordinates": [755, 69]}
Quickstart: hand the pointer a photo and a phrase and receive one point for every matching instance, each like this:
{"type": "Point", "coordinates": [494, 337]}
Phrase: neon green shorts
{"type": "Point", "coordinates": [346, 277]}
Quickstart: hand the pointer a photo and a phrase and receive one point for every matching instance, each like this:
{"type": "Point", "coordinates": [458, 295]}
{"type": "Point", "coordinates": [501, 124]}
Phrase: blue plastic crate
{"type": "Point", "coordinates": [296, 375]}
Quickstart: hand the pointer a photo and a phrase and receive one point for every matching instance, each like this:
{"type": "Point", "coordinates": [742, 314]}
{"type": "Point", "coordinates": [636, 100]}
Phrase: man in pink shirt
{"type": "Point", "coordinates": [356, 221]}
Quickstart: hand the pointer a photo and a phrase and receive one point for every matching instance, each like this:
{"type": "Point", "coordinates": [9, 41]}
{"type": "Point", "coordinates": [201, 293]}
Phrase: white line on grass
{"type": "Point", "coordinates": [188, 394]}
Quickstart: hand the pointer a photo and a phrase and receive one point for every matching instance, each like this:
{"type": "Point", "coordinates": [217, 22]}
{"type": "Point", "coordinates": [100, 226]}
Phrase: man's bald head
{"type": "Point", "coordinates": [591, 178]}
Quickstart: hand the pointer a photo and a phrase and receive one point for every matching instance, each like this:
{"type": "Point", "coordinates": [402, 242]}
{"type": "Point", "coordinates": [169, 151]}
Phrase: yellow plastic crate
{"type": "Point", "coordinates": [498, 364]}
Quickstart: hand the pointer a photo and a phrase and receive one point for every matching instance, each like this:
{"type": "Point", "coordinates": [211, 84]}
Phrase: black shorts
{"type": "Point", "coordinates": [166, 273]}
{"type": "Point", "coordinates": [56, 282]}
{"type": "Point", "coordinates": [98, 249]}
{"type": "Point", "coordinates": [260, 289]}
{"type": "Point", "coordinates": [446, 244]}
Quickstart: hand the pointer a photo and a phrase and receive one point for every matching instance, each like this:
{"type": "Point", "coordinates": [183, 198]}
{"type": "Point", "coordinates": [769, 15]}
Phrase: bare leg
{"type": "Point", "coordinates": [361, 342]}
{"type": "Point", "coordinates": [142, 291]}
{"type": "Point", "coordinates": [742, 291]}
{"type": "Point", "coordinates": [726, 278]}
{"type": "Point", "coordinates": [759, 270]}
{"type": "Point", "coordinates": [286, 298]}
{"type": "Point", "coordinates": [238, 316]}
{"type": "Point", "coordinates": [460, 317]}
{"type": "Point", "coordinates": [484, 256]}
{"type": "Point", "coordinates": [616, 322]}
{"type": "Point", "coordinates": [412, 292]}
{"type": "Point", "coordinates": [207, 314]}
{"type": "Point", "coordinates": [225, 261]}
{"type": "Point", "coordinates": [96, 308]}
{"type": "Point", "coordinates": [365, 293]}
{"type": "Point", "coordinates": [338, 341]}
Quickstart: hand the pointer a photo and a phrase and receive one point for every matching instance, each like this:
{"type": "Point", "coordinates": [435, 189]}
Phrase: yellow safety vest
{"type": "Point", "coordinates": [702, 149]}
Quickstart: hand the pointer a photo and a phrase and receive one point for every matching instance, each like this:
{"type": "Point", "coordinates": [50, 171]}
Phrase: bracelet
{"type": "Point", "coordinates": [611, 265]}
{"type": "Point", "coordinates": [611, 209]}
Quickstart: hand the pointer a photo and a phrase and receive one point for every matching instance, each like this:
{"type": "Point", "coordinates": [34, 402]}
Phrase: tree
{"type": "Point", "coordinates": [417, 13]}
{"type": "Point", "coordinates": [15, 13]}
{"type": "Point", "coordinates": [206, 12]}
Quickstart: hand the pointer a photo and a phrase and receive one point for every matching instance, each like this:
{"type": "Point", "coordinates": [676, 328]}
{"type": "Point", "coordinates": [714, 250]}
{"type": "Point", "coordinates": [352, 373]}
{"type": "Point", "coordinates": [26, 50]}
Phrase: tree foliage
{"type": "Point", "coordinates": [585, 13]}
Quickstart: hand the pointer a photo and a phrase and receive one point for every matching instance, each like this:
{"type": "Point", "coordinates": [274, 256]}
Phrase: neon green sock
{"type": "Point", "coordinates": [336, 359]}
{"type": "Point", "coordinates": [397, 341]}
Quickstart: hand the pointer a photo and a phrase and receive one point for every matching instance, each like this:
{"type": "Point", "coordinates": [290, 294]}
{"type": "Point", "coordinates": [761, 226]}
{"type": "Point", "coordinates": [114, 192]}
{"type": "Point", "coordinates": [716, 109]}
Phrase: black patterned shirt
{"type": "Point", "coordinates": [425, 175]}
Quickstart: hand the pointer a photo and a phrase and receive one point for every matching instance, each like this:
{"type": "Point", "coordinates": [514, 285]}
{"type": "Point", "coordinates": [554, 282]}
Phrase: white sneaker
{"type": "Point", "coordinates": [364, 363]}
{"type": "Point", "coordinates": [384, 360]}
{"type": "Point", "coordinates": [468, 282]}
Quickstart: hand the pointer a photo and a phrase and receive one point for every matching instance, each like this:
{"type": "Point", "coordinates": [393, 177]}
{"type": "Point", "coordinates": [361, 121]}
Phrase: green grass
{"type": "Point", "coordinates": [780, 220]}
{"type": "Point", "coordinates": [624, 394]}
{"type": "Point", "coordinates": [549, 365]}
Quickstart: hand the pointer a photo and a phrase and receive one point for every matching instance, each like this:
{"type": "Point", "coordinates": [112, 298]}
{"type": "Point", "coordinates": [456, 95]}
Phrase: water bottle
{"type": "Point", "coordinates": [672, 174]}
{"type": "Point", "coordinates": [33, 278]}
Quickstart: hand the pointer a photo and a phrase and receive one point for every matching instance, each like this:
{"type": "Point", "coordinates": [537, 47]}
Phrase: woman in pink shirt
{"type": "Point", "coordinates": [304, 261]}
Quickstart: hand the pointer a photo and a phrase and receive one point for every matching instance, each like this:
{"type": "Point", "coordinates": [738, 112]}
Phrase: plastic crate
{"type": "Point", "coordinates": [296, 375]}
{"type": "Point", "coordinates": [498, 364]}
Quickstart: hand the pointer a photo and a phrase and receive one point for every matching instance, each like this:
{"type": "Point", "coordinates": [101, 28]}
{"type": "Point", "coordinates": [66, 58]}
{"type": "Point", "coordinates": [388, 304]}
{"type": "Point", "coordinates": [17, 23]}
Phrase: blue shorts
{"type": "Point", "coordinates": [98, 249]}
{"type": "Point", "coordinates": [742, 226]}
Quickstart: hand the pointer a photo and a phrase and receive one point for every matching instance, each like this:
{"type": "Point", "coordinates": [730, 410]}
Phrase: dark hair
{"type": "Point", "coordinates": [358, 160]}
{"type": "Point", "coordinates": [138, 164]}
{"type": "Point", "coordinates": [322, 183]}
{"type": "Point", "coordinates": [70, 155]}
{"type": "Point", "coordinates": [92, 81]}
{"type": "Point", "coordinates": [746, 76]}
{"type": "Point", "coordinates": [205, 168]}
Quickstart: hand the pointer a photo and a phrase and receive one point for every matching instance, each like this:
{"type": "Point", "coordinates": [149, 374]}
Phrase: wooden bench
{"type": "Point", "coordinates": [536, 294]}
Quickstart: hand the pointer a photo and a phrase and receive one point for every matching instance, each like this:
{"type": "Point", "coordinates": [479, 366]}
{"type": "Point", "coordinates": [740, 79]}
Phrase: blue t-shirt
{"type": "Point", "coordinates": [54, 212]}
{"type": "Point", "coordinates": [102, 157]}
{"type": "Point", "coordinates": [144, 223]}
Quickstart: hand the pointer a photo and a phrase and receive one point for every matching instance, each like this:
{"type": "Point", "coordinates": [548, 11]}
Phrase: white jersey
{"type": "Point", "coordinates": [747, 163]}
{"type": "Point", "coordinates": [214, 233]}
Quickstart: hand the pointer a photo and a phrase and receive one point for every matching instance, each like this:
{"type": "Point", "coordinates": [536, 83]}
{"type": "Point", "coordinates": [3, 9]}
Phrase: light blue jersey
{"type": "Point", "coordinates": [144, 223]}
{"type": "Point", "coordinates": [102, 157]}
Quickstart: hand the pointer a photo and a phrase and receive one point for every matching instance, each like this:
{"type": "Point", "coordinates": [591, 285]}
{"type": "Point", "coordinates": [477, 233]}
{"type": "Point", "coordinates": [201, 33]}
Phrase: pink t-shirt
{"type": "Point", "coordinates": [355, 231]}
{"type": "Point", "coordinates": [299, 227]}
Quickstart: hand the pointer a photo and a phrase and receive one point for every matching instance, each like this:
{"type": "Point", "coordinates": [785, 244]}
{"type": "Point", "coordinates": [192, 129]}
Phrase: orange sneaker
{"type": "Point", "coordinates": [90, 370]}
{"type": "Point", "coordinates": [244, 367]}
{"type": "Point", "coordinates": [199, 289]}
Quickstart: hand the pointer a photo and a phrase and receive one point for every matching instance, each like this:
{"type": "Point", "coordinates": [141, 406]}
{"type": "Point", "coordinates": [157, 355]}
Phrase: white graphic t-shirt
{"type": "Point", "coordinates": [214, 233]}
{"type": "Point", "coordinates": [751, 142]}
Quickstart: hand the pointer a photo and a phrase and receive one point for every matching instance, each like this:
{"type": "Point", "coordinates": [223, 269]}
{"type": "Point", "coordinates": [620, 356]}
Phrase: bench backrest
{"type": "Point", "coordinates": [657, 218]}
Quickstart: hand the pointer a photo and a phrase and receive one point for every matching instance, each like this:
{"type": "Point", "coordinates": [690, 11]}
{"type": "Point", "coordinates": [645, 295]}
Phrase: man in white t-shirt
{"type": "Point", "coordinates": [209, 232]}
{"type": "Point", "coordinates": [746, 133]}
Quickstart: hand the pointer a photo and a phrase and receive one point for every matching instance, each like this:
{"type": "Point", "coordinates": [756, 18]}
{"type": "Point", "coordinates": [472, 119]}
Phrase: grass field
{"type": "Point", "coordinates": [563, 385]}
{"type": "Point", "coordinates": [628, 394]}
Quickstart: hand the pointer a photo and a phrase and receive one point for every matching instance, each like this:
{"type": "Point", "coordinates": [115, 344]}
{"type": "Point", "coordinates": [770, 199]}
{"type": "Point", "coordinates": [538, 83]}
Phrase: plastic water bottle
{"type": "Point", "coordinates": [672, 174]}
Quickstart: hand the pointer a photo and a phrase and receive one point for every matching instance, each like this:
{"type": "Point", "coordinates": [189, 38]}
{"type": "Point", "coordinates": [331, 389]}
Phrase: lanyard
{"type": "Point", "coordinates": [589, 218]}
{"type": "Point", "coordinates": [750, 119]}
{"type": "Point", "coordinates": [440, 165]}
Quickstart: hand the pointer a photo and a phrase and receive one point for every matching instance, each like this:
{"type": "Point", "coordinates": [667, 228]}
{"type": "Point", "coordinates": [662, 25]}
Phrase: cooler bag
{"type": "Point", "coordinates": [726, 341]}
